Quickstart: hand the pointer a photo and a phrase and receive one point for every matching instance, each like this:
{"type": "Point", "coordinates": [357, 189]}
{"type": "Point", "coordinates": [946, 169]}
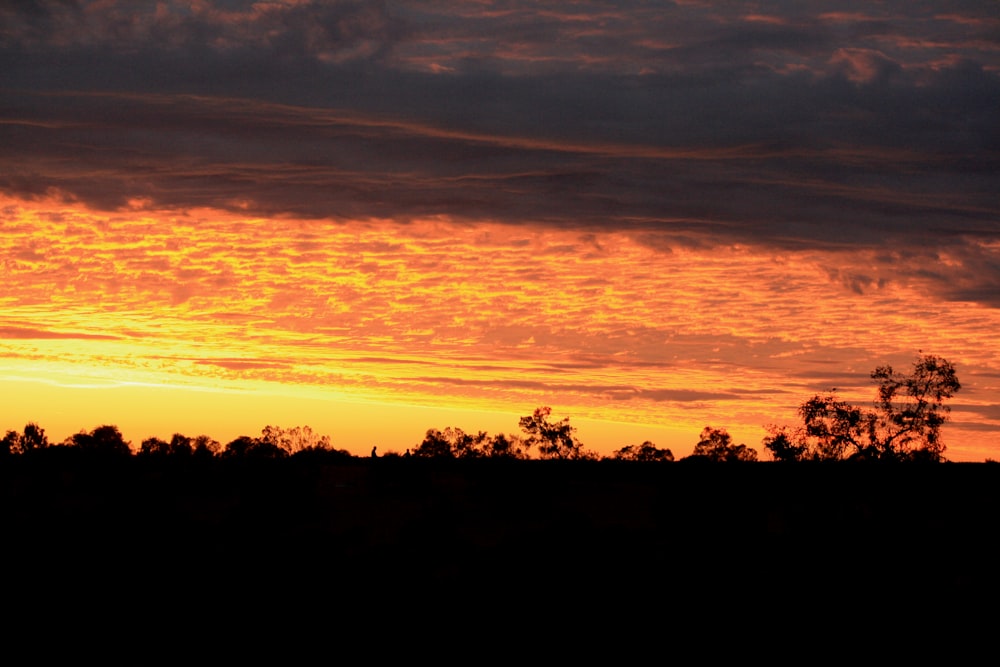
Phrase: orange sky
{"type": "Point", "coordinates": [380, 218]}
{"type": "Point", "coordinates": [206, 321]}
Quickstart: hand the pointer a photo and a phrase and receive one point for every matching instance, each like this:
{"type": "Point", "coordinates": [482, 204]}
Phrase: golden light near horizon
{"type": "Point", "coordinates": [437, 318]}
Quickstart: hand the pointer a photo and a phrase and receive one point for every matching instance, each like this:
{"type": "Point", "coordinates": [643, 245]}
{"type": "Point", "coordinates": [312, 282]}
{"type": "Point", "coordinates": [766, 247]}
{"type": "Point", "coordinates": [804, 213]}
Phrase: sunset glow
{"type": "Point", "coordinates": [651, 220]}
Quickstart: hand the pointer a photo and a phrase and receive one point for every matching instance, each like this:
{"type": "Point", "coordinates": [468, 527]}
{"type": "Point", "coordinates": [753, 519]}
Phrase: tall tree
{"type": "Point", "coordinates": [555, 440]}
{"type": "Point", "coordinates": [904, 422]}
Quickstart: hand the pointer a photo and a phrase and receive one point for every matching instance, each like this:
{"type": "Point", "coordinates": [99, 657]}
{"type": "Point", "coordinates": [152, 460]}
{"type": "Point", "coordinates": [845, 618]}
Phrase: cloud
{"type": "Point", "coordinates": [612, 392]}
{"type": "Point", "coordinates": [865, 66]}
{"type": "Point", "coordinates": [855, 138]}
{"type": "Point", "coordinates": [243, 364]}
{"type": "Point", "coordinates": [30, 333]}
{"type": "Point", "coordinates": [982, 427]}
{"type": "Point", "coordinates": [686, 395]}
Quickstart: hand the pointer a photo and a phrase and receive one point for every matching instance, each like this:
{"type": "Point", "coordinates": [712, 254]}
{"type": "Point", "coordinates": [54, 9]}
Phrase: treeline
{"type": "Point", "coordinates": [904, 424]}
{"type": "Point", "coordinates": [550, 439]}
{"type": "Point", "coordinates": [107, 440]}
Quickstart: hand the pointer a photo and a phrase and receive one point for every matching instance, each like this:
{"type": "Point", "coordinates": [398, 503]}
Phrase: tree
{"type": "Point", "coordinates": [33, 438]}
{"type": "Point", "coordinates": [454, 443]}
{"type": "Point", "coordinates": [911, 409]}
{"type": "Point", "coordinates": [783, 446]}
{"type": "Point", "coordinates": [832, 429]}
{"type": "Point", "coordinates": [180, 445]}
{"type": "Point", "coordinates": [106, 439]}
{"type": "Point", "coordinates": [240, 447]}
{"type": "Point", "coordinates": [205, 447]}
{"type": "Point", "coordinates": [467, 445]}
{"type": "Point", "coordinates": [555, 440]}
{"type": "Point", "coordinates": [8, 445]}
{"type": "Point", "coordinates": [435, 445]}
{"type": "Point", "coordinates": [255, 448]}
{"type": "Point", "coordinates": [717, 445]}
{"type": "Point", "coordinates": [154, 446]}
{"type": "Point", "coordinates": [293, 440]}
{"type": "Point", "coordinates": [647, 451]}
{"type": "Point", "coordinates": [503, 446]}
{"type": "Point", "coordinates": [904, 423]}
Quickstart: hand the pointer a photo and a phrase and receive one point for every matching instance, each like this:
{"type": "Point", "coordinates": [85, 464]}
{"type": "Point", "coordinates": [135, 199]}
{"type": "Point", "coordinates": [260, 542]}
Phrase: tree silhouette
{"type": "Point", "coordinates": [502, 446]}
{"type": "Point", "coordinates": [555, 440]}
{"type": "Point", "coordinates": [454, 443]}
{"type": "Point", "coordinates": [293, 440]}
{"type": "Point", "coordinates": [180, 446]}
{"type": "Point", "coordinates": [435, 445]}
{"type": "Point", "coordinates": [205, 447]}
{"type": "Point", "coordinates": [911, 409]}
{"type": "Point", "coordinates": [468, 445]}
{"type": "Point", "coordinates": [783, 446]}
{"type": "Point", "coordinates": [239, 447]}
{"type": "Point", "coordinates": [647, 451]}
{"type": "Point", "coordinates": [904, 424]}
{"type": "Point", "coordinates": [274, 443]}
{"type": "Point", "coordinates": [32, 439]}
{"type": "Point", "coordinates": [256, 448]}
{"type": "Point", "coordinates": [106, 439]}
{"type": "Point", "coordinates": [717, 445]}
{"type": "Point", "coordinates": [8, 445]}
{"type": "Point", "coordinates": [154, 446]}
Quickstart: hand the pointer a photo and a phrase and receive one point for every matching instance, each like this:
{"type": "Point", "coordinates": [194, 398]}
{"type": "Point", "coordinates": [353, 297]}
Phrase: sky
{"type": "Point", "coordinates": [376, 218]}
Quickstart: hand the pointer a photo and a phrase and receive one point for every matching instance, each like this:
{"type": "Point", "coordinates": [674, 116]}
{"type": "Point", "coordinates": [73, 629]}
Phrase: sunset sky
{"type": "Point", "coordinates": [376, 218]}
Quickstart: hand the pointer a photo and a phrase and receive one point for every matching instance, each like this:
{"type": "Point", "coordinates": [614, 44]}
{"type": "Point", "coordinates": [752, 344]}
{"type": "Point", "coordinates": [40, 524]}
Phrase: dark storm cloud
{"type": "Point", "coordinates": [838, 124]}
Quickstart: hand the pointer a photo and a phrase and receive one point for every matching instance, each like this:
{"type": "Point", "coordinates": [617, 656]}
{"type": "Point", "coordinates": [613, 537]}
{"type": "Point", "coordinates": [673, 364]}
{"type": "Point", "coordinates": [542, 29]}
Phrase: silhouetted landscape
{"type": "Point", "coordinates": [469, 521]}
{"type": "Point", "coordinates": [383, 536]}
{"type": "Point", "coordinates": [491, 332]}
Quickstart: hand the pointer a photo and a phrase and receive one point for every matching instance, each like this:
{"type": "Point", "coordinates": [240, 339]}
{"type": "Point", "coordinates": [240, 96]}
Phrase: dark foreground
{"type": "Point", "coordinates": [385, 544]}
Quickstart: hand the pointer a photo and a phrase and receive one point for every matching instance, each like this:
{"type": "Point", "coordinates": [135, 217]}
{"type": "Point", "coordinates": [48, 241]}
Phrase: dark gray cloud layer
{"type": "Point", "coordinates": [830, 125]}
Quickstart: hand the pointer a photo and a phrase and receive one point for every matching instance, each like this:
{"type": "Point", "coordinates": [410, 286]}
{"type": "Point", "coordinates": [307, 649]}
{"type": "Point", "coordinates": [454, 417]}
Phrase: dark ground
{"type": "Point", "coordinates": [501, 547]}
